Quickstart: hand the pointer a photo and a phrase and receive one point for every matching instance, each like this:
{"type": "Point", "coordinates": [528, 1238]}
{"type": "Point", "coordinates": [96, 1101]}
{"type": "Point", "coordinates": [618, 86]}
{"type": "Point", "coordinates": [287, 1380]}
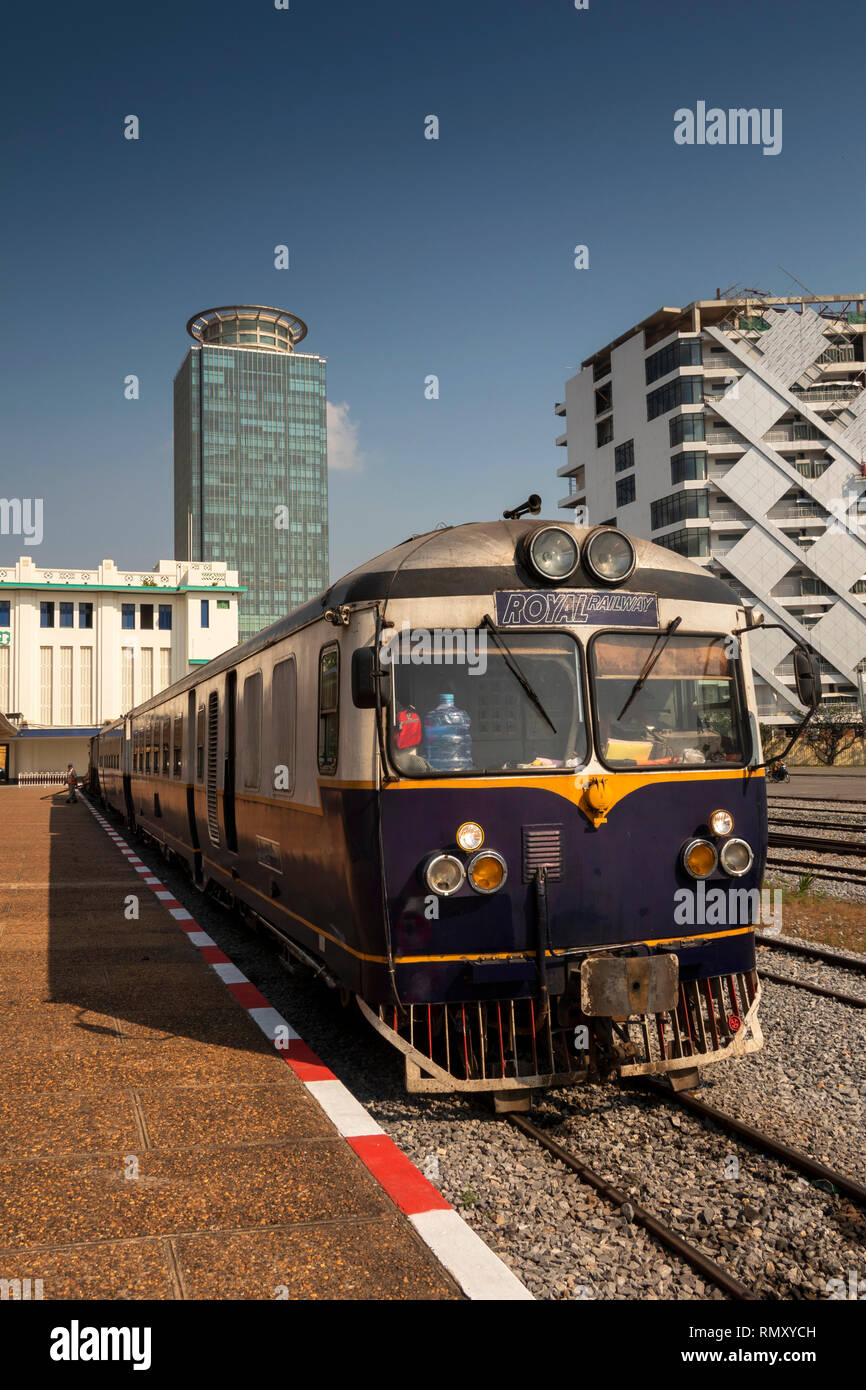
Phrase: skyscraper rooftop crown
{"type": "Point", "coordinates": [247, 326]}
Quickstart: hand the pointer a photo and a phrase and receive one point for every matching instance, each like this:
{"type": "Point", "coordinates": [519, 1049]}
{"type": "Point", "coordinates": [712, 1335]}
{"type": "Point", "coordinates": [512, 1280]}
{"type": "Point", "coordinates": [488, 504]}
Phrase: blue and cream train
{"type": "Point", "coordinates": [573, 897]}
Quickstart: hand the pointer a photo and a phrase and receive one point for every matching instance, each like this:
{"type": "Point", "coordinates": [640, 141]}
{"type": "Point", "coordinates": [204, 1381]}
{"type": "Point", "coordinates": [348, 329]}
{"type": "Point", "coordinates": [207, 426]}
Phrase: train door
{"type": "Point", "coordinates": [211, 751]}
{"type": "Point", "coordinates": [229, 763]}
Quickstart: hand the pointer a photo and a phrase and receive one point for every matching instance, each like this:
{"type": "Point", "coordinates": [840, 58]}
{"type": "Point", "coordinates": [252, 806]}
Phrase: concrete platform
{"type": "Point", "coordinates": [844, 783]}
{"type": "Point", "coordinates": [154, 1143]}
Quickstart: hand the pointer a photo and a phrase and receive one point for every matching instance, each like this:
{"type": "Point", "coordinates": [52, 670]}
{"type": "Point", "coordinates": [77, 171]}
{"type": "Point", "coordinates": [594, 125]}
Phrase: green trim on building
{"type": "Point", "coordinates": [131, 588]}
{"type": "Point", "coordinates": [200, 660]}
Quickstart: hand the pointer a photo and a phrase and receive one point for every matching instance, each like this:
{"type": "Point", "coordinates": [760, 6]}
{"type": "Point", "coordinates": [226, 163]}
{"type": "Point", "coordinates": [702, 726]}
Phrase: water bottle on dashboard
{"type": "Point", "coordinates": [446, 732]}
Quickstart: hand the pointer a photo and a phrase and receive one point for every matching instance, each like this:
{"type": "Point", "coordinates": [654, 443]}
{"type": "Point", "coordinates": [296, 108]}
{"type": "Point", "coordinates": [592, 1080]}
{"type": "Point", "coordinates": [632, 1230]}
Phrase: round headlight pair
{"type": "Point", "coordinates": [445, 874]}
{"type": "Point", "coordinates": [700, 858]}
{"type": "Point", "coordinates": [555, 554]}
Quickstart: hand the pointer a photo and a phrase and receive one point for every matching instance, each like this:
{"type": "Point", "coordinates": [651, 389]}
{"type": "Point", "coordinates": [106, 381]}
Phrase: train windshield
{"type": "Point", "coordinates": [688, 713]}
{"type": "Point", "coordinates": [464, 704]}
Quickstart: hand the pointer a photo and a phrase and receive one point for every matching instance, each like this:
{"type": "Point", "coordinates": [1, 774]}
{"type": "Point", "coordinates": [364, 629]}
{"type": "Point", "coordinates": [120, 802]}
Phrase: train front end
{"type": "Point", "coordinates": [573, 818]}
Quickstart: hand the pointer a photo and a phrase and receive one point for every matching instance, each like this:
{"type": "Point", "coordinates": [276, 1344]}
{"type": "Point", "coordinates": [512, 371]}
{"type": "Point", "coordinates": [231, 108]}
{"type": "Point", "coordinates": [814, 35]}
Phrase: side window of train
{"type": "Point", "coordinates": [284, 704]}
{"type": "Point", "coordinates": [252, 730]}
{"type": "Point", "coordinates": [166, 747]}
{"type": "Point", "coordinates": [199, 745]}
{"type": "Point", "coordinates": [177, 768]}
{"type": "Point", "coordinates": [329, 709]}
{"type": "Point", "coordinates": [147, 748]}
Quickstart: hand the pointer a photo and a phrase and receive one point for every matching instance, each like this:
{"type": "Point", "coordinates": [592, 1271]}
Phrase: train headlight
{"type": "Point", "coordinates": [444, 874]}
{"type": "Point", "coordinates": [699, 858]}
{"type": "Point", "coordinates": [736, 857]}
{"type": "Point", "coordinates": [554, 553]}
{"type": "Point", "coordinates": [470, 836]}
{"type": "Point", "coordinates": [487, 871]}
{"type": "Point", "coordinates": [721, 822]}
{"type": "Point", "coordinates": [610, 556]}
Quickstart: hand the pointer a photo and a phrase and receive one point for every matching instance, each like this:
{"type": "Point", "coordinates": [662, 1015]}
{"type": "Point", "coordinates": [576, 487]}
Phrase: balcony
{"type": "Point", "coordinates": [838, 391]}
{"type": "Point", "coordinates": [715, 437]}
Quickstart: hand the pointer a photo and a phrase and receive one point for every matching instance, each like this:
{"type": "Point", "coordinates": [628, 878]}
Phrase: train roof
{"type": "Point", "coordinates": [477, 557]}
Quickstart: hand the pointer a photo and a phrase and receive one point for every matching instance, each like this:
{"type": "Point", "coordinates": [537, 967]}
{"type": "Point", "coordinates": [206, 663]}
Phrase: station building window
{"type": "Point", "coordinates": [85, 615]}
{"type": "Point", "coordinates": [205, 612]}
{"type": "Point", "coordinates": [165, 617]}
{"type": "Point", "coordinates": [67, 614]}
{"type": "Point", "coordinates": [5, 612]}
{"type": "Point", "coordinates": [127, 615]}
{"type": "Point", "coordinates": [145, 617]}
{"type": "Point", "coordinates": [46, 613]}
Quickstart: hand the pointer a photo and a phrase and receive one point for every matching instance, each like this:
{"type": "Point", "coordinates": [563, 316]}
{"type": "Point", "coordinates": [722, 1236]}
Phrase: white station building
{"type": "Point", "coordinates": [734, 431]}
{"type": "Point", "coordinates": [81, 647]}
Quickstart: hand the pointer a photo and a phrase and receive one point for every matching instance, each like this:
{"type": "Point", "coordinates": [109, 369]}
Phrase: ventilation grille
{"type": "Point", "coordinates": [542, 848]}
{"type": "Point", "coordinates": [213, 824]}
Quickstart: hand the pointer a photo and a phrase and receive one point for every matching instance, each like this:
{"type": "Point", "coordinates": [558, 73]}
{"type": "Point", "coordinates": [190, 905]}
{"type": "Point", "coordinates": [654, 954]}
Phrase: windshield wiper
{"type": "Point", "coordinates": [650, 663]}
{"type": "Point", "coordinates": [511, 663]}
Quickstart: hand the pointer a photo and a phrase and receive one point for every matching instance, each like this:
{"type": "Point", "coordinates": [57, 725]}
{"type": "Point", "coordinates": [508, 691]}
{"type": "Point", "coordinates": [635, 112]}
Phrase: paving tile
{"type": "Point", "coordinates": [109, 1269]}
{"type": "Point", "coordinates": [66, 1123]}
{"type": "Point", "coordinates": [51, 1202]}
{"type": "Point", "coordinates": [211, 1115]}
{"type": "Point", "coordinates": [370, 1260]}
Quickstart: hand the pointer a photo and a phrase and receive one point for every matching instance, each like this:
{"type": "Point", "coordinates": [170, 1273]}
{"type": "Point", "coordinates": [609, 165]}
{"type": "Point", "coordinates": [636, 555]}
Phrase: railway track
{"type": "Point", "coordinates": [665, 1234]}
{"type": "Point", "coordinates": [841, 827]}
{"type": "Point", "coordinates": [836, 872]}
{"type": "Point", "coordinates": [843, 959]}
{"type": "Point", "coordinates": [817, 800]}
{"type": "Point", "coordinates": [702, 1263]}
{"type": "Point", "coordinates": [838, 961]}
{"type": "Point", "coordinates": [817, 844]}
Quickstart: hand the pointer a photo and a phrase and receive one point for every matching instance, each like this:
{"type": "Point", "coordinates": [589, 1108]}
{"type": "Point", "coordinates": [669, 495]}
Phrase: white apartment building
{"type": "Point", "coordinates": [80, 647]}
{"type": "Point", "coordinates": [734, 431]}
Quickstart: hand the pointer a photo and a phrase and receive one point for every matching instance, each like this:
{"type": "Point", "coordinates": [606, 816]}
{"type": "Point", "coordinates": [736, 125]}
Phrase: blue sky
{"type": "Point", "coordinates": [409, 257]}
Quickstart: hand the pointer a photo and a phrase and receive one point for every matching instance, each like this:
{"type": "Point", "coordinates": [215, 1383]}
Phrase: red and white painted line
{"type": "Point", "coordinates": [479, 1272]}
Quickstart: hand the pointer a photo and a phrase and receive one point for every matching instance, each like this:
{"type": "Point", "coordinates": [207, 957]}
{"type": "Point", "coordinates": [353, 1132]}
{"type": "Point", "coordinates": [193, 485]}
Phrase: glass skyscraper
{"type": "Point", "coordinates": [250, 458]}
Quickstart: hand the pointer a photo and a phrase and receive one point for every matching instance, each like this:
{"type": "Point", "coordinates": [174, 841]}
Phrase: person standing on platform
{"type": "Point", "coordinates": [72, 783]}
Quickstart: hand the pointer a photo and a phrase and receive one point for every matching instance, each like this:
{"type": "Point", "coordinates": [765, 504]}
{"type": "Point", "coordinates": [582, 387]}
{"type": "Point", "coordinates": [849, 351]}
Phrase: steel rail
{"type": "Point", "coordinates": [855, 848]}
{"type": "Point", "coordinates": [801, 948]}
{"type": "Point", "coordinates": [668, 1237]}
{"type": "Point", "coordinates": [853, 999]}
{"type": "Point", "coordinates": [809, 801]}
{"type": "Point", "coordinates": [765, 1143]}
{"type": "Point", "coordinates": [833, 871]}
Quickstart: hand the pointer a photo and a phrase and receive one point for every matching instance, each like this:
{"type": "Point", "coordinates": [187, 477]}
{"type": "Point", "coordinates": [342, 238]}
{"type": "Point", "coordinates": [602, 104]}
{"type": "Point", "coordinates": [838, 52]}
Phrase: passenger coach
{"type": "Point", "coordinates": [473, 784]}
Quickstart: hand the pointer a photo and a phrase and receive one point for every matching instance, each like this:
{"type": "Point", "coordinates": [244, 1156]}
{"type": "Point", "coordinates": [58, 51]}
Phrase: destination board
{"type": "Point", "coordinates": [571, 607]}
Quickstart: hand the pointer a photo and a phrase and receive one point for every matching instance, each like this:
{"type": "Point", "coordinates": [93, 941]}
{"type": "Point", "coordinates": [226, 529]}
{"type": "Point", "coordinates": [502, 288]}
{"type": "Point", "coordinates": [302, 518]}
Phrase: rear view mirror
{"type": "Point", "coordinates": [807, 678]}
{"type": "Point", "coordinates": [364, 679]}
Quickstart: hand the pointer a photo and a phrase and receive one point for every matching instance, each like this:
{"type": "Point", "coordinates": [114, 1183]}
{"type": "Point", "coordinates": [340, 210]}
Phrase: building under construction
{"type": "Point", "coordinates": [734, 431]}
